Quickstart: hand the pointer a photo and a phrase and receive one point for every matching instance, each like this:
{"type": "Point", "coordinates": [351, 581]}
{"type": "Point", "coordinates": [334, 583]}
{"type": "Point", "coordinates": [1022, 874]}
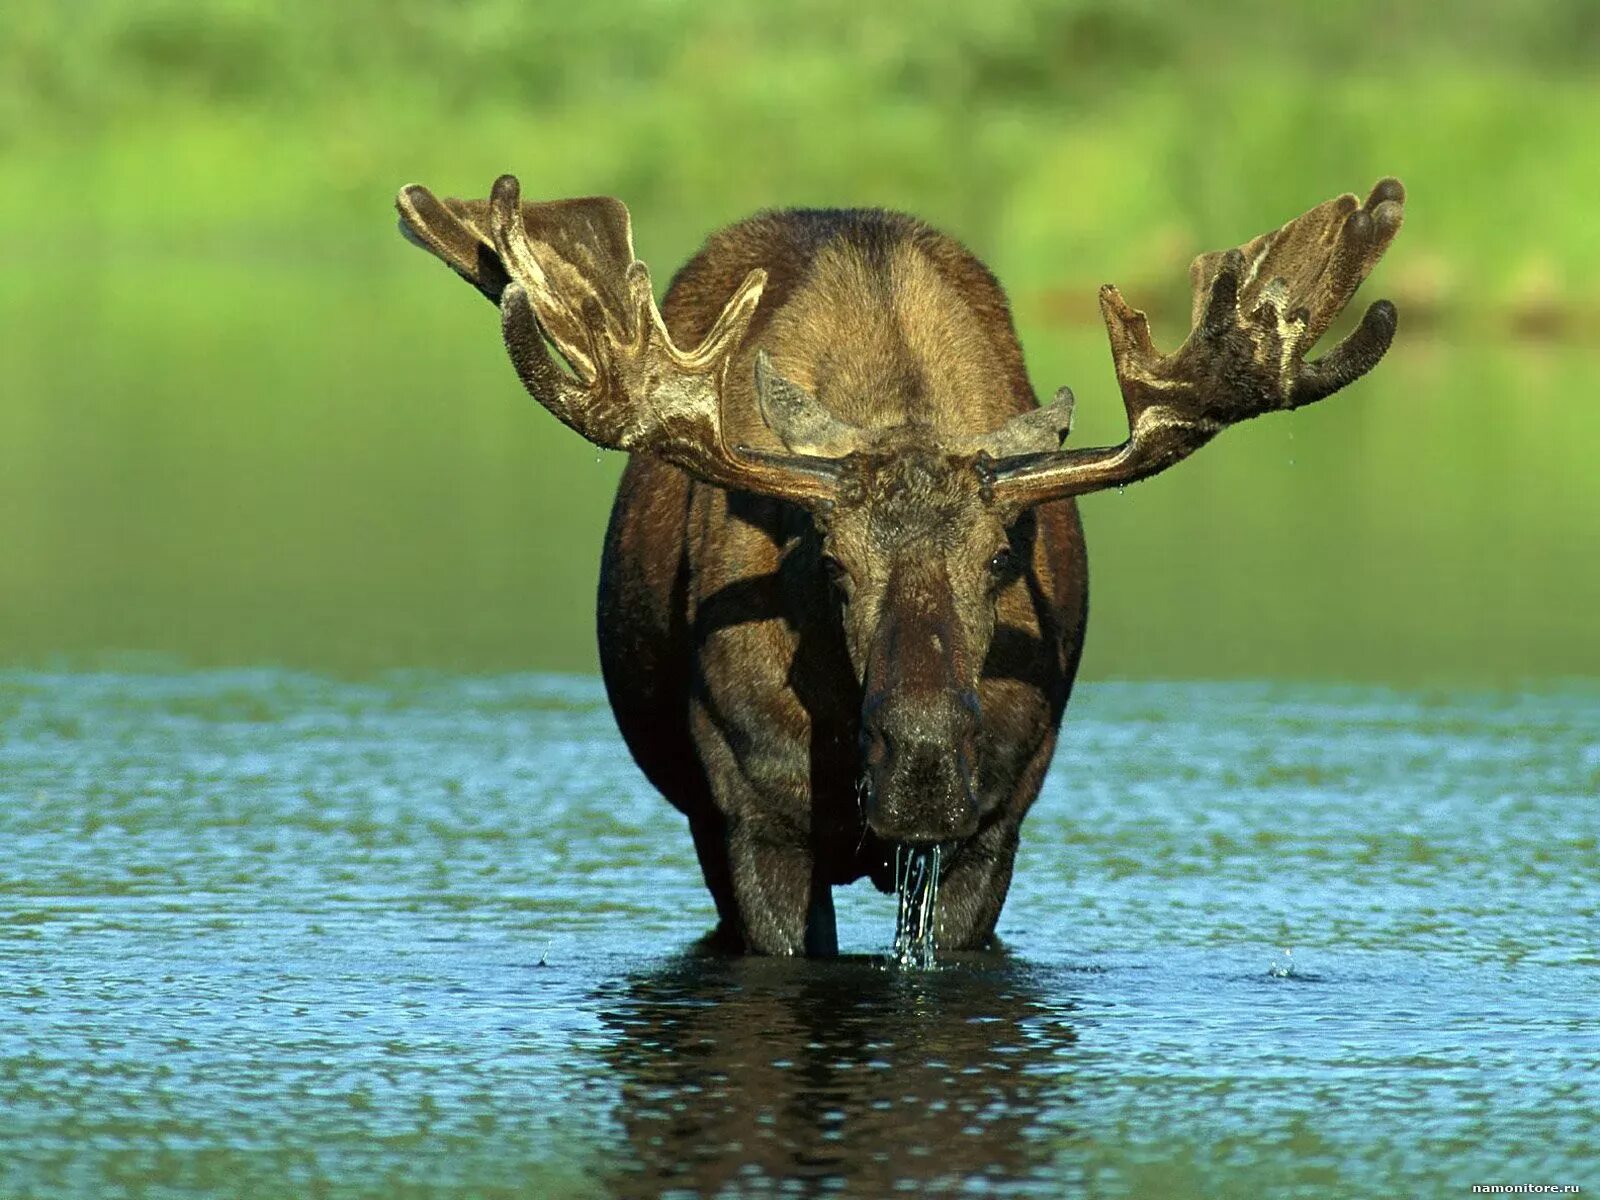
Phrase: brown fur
{"type": "Point", "coordinates": [728, 659]}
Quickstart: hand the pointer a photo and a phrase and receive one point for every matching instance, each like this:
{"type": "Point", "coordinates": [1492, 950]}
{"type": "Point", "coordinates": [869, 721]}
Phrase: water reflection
{"type": "Point", "coordinates": [816, 1078]}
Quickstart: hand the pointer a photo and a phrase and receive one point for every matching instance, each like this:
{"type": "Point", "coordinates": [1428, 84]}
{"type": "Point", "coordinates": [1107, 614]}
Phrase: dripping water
{"type": "Point", "coordinates": [916, 882]}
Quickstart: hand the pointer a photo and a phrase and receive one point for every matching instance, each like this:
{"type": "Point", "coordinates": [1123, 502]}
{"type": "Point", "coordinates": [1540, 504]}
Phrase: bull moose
{"type": "Point", "coordinates": [843, 592]}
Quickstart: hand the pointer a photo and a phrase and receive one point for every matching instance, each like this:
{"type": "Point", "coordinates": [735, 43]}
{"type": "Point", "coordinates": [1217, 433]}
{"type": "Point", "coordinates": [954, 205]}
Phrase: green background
{"type": "Point", "coordinates": [242, 421]}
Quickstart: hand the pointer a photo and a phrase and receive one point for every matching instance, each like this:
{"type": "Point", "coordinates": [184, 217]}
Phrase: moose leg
{"type": "Point", "coordinates": [974, 888]}
{"type": "Point", "coordinates": [783, 907]}
{"type": "Point", "coordinates": [822, 934]}
{"type": "Point", "coordinates": [711, 844]}
{"type": "Point", "coordinates": [710, 832]}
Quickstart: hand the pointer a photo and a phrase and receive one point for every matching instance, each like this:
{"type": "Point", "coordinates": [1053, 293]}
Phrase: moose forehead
{"type": "Point", "coordinates": [911, 496]}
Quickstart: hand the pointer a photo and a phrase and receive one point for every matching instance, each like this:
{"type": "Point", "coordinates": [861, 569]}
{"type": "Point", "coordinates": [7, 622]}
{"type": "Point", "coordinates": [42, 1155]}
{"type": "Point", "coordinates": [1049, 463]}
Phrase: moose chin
{"type": "Point", "coordinates": [844, 588]}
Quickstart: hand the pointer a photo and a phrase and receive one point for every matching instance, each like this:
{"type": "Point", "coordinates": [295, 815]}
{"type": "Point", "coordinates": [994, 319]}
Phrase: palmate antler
{"type": "Point", "coordinates": [1258, 310]}
{"type": "Point", "coordinates": [565, 271]}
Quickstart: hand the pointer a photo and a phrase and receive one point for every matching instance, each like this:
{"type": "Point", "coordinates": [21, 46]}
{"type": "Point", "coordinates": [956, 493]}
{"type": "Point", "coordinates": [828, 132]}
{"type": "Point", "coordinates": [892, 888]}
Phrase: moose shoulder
{"type": "Point", "coordinates": [844, 587]}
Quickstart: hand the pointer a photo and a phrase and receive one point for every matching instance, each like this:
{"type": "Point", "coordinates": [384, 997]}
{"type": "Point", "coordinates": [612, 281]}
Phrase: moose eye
{"type": "Point", "coordinates": [1002, 562]}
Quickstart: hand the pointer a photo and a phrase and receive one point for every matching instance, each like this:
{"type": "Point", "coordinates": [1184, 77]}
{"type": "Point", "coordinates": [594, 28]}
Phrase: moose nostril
{"type": "Point", "coordinates": [969, 710]}
{"type": "Point", "coordinates": [891, 732]}
{"type": "Point", "coordinates": [872, 708]}
{"type": "Point", "coordinates": [875, 749]}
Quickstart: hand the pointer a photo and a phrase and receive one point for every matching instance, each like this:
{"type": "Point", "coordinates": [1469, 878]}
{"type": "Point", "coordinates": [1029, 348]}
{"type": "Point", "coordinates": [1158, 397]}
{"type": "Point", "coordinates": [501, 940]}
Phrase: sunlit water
{"type": "Point", "coordinates": [271, 935]}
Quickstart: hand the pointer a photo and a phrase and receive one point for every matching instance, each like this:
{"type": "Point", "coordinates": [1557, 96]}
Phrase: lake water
{"type": "Point", "coordinates": [265, 933]}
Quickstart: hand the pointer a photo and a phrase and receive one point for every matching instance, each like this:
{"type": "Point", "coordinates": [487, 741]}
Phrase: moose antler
{"type": "Point", "coordinates": [565, 271]}
{"type": "Point", "coordinates": [1258, 310]}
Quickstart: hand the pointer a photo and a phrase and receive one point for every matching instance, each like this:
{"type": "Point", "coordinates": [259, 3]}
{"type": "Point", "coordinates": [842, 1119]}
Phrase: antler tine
{"type": "Point", "coordinates": [572, 282]}
{"type": "Point", "coordinates": [573, 332]}
{"type": "Point", "coordinates": [1258, 310]}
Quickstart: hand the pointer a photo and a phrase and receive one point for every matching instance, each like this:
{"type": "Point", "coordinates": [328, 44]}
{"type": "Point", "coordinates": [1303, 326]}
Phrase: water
{"type": "Point", "coordinates": [268, 934]}
{"type": "Point", "coordinates": [916, 883]}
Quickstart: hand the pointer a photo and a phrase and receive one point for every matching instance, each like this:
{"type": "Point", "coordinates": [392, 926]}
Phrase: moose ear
{"type": "Point", "coordinates": [802, 424]}
{"type": "Point", "coordinates": [1040, 431]}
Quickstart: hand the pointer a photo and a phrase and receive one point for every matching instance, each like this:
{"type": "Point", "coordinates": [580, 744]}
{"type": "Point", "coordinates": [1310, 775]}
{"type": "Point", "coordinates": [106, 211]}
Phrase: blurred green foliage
{"type": "Point", "coordinates": [242, 420]}
{"type": "Point", "coordinates": [1064, 139]}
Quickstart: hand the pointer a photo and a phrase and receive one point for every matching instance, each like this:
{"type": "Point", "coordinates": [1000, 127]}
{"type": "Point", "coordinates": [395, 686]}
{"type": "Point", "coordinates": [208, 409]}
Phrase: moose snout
{"type": "Point", "coordinates": [919, 755]}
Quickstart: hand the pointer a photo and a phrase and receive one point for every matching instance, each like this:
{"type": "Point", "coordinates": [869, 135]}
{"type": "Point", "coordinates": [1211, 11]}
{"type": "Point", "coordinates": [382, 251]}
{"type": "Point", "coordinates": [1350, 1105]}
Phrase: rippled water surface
{"type": "Point", "coordinates": [268, 934]}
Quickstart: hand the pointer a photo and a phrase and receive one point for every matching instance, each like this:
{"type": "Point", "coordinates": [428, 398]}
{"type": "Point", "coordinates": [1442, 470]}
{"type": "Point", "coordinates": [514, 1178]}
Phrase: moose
{"type": "Point", "coordinates": [843, 591]}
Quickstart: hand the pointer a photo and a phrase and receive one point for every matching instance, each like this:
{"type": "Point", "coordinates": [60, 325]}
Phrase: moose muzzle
{"type": "Point", "coordinates": [919, 753]}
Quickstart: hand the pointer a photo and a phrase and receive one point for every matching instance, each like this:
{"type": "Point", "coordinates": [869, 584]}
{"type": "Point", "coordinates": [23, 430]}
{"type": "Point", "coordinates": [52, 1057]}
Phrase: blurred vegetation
{"type": "Point", "coordinates": [243, 420]}
{"type": "Point", "coordinates": [1063, 138]}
